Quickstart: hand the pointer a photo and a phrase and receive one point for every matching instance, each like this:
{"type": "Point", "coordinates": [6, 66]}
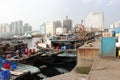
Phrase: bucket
{"type": "Point", "coordinates": [5, 75]}
{"type": "Point", "coordinates": [4, 61]}
{"type": "Point", "coordinates": [6, 65]}
{"type": "Point", "coordinates": [13, 65]}
{"type": "Point", "coordinates": [63, 47]}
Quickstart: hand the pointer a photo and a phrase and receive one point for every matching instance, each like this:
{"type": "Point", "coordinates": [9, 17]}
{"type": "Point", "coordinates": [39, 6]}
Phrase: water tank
{"type": "Point", "coordinates": [61, 30]}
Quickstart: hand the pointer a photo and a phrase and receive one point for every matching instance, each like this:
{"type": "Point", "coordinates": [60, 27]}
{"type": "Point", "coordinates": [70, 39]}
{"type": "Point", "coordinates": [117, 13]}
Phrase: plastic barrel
{"type": "Point", "coordinates": [5, 75]}
{"type": "Point", "coordinates": [6, 65]}
{"type": "Point", "coordinates": [63, 47]}
{"type": "Point", "coordinates": [2, 75]}
{"type": "Point", "coordinates": [4, 61]}
{"type": "Point", "coordinates": [13, 65]}
{"type": "Point", "coordinates": [27, 50]}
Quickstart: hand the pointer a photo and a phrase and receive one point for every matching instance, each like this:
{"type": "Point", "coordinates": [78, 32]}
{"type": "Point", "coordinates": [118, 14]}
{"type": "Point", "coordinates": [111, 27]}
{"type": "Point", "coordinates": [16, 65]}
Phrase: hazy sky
{"type": "Point", "coordinates": [35, 12]}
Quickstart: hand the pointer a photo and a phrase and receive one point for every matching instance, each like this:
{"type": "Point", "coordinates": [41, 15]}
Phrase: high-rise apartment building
{"type": "Point", "coordinates": [1, 28]}
{"type": "Point", "coordinates": [14, 28]}
{"type": "Point", "coordinates": [43, 28]}
{"type": "Point", "coordinates": [56, 25]}
{"type": "Point", "coordinates": [50, 29]}
{"type": "Point", "coordinates": [17, 27]}
{"type": "Point", "coordinates": [27, 28]}
{"type": "Point", "coordinates": [20, 27]}
{"type": "Point", "coordinates": [4, 28]}
{"type": "Point", "coordinates": [67, 23]}
{"type": "Point", "coordinates": [95, 21]}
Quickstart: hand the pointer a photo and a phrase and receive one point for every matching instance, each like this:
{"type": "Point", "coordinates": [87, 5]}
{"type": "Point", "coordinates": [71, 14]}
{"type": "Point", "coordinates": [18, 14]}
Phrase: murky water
{"type": "Point", "coordinates": [49, 70]}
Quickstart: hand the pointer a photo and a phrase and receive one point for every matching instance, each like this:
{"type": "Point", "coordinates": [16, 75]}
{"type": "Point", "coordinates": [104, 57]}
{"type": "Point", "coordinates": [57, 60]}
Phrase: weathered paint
{"type": "Point", "coordinates": [86, 56]}
{"type": "Point", "coordinates": [108, 47]}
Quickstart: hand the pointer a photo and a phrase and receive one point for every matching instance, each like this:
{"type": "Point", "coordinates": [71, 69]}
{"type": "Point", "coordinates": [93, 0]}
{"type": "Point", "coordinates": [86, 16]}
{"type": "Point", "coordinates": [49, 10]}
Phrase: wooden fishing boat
{"type": "Point", "coordinates": [65, 45]}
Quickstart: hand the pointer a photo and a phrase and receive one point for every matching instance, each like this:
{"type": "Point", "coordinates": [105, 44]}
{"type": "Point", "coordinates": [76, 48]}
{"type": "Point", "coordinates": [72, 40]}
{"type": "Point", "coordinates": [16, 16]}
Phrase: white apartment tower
{"type": "Point", "coordinates": [95, 21]}
{"type": "Point", "coordinates": [4, 28]}
{"type": "Point", "coordinates": [50, 29]}
{"type": "Point", "coordinates": [16, 27]}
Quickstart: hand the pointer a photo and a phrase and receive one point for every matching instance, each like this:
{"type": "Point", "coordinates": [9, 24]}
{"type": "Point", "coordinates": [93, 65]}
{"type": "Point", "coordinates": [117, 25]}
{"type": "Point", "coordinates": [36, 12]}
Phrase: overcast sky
{"type": "Point", "coordinates": [35, 12]}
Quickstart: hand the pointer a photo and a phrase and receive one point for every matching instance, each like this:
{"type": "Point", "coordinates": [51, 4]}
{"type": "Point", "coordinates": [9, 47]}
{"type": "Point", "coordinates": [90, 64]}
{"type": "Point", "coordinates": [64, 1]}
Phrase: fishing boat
{"type": "Point", "coordinates": [65, 44]}
{"type": "Point", "coordinates": [16, 51]}
{"type": "Point", "coordinates": [16, 71]}
{"type": "Point", "coordinates": [60, 42]}
{"type": "Point", "coordinates": [24, 71]}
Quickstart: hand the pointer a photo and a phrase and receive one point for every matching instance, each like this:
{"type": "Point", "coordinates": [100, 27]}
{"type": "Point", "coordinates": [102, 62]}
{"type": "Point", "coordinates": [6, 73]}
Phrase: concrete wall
{"type": "Point", "coordinates": [86, 56]}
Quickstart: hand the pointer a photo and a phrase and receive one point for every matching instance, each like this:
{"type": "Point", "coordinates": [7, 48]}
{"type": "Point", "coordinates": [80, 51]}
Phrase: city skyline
{"type": "Point", "coordinates": [37, 12]}
{"type": "Point", "coordinates": [14, 28]}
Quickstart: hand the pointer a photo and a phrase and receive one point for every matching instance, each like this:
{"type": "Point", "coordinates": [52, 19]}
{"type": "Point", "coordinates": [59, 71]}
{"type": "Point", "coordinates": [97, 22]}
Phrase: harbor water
{"type": "Point", "coordinates": [50, 70]}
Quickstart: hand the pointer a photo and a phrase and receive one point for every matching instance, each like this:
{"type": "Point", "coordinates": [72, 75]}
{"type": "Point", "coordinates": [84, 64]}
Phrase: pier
{"type": "Point", "coordinates": [86, 56]}
{"type": "Point", "coordinates": [90, 64]}
{"type": "Point", "coordinates": [99, 68]}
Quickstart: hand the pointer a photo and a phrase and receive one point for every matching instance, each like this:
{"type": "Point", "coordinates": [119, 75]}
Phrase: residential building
{"type": "Point", "coordinates": [95, 21]}
{"type": "Point", "coordinates": [43, 29]}
{"type": "Point", "coordinates": [27, 28]}
{"type": "Point", "coordinates": [20, 27]}
{"type": "Point", "coordinates": [17, 27]}
{"type": "Point", "coordinates": [50, 29]}
{"type": "Point", "coordinates": [4, 28]}
{"type": "Point", "coordinates": [67, 23]}
{"type": "Point", "coordinates": [1, 28]}
{"type": "Point", "coordinates": [56, 25]}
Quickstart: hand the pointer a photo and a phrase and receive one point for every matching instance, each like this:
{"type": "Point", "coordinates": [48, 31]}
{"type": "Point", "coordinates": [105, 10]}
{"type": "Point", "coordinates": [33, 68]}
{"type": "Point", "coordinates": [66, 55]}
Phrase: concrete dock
{"type": "Point", "coordinates": [68, 76]}
{"type": "Point", "coordinates": [74, 75]}
{"type": "Point", "coordinates": [103, 68]}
